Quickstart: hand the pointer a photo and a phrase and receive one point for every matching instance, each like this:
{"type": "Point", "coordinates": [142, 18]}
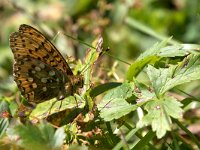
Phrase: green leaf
{"type": "Point", "coordinates": [159, 113]}
{"type": "Point", "coordinates": [137, 66]}
{"type": "Point", "coordinates": [102, 88]}
{"type": "Point", "coordinates": [179, 50]}
{"type": "Point", "coordinates": [115, 109]}
{"type": "Point", "coordinates": [90, 59]}
{"type": "Point", "coordinates": [154, 50]}
{"type": "Point", "coordinates": [43, 109]}
{"type": "Point", "coordinates": [123, 91]}
{"type": "Point", "coordinates": [142, 92]}
{"type": "Point", "coordinates": [114, 104]}
{"type": "Point", "coordinates": [173, 51]}
{"type": "Point", "coordinates": [3, 105]}
{"type": "Point", "coordinates": [39, 137]}
{"type": "Point", "coordinates": [159, 77]}
{"type": "Point", "coordinates": [164, 79]}
{"type": "Point", "coordinates": [158, 51]}
{"type": "Point", "coordinates": [187, 71]}
{"type": "Point", "coordinates": [59, 137]}
{"type": "Point", "coordinates": [144, 141]}
{"type": "Point", "coordinates": [150, 56]}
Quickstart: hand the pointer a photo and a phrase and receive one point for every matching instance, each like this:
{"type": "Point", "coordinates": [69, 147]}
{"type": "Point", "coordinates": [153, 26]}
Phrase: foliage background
{"type": "Point", "coordinates": [127, 26]}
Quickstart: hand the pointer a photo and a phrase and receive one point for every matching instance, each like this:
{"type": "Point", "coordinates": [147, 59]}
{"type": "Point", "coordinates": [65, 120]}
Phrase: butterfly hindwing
{"type": "Point", "coordinates": [38, 81]}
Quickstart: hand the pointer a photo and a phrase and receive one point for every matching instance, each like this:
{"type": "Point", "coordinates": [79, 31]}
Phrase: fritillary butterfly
{"type": "Point", "coordinates": [40, 71]}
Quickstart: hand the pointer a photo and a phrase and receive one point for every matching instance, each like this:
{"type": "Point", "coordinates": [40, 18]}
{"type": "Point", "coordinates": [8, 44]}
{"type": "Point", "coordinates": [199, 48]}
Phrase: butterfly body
{"type": "Point", "coordinates": [40, 71]}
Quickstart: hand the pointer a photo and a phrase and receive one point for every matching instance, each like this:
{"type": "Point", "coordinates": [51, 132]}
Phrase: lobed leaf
{"type": "Point", "coordinates": [164, 79]}
{"type": "Point", "coordinates": [114, 104]}
{"type": "Point", "coordinates": [159, 113]}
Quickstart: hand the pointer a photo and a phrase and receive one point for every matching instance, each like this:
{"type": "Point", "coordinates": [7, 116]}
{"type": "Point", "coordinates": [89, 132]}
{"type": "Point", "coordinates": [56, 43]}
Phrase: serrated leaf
{"type": "Point", "coordinates": [164, 79]}
{"type": "Point", "coordinates": [187, 71]}
{"type": "Point", "coordinates": [142, 92]}
{"type": "Point", "coordinates": [114, 104]}
{"type": "Point", "coordinates": [158, 77]}
{"type": "Point", "coordinates": [157, 52]}
{"type": "Point", "coordinates": [159, 113]}
{"type": "Point", "coordinates": [179, 50]}
{"type": "Point", "coordinates": [115, 109]}
{"type": "Point", "coordinates": [123, 91]}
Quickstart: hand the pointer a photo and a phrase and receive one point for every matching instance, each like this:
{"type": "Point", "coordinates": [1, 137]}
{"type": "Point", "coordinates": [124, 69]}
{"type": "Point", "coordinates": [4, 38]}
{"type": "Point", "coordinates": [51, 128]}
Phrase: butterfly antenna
{"type": "Point", "coordinates": [80, 41]}
{"type": "Point", "coordinates": [117, 58]}
{"type": "Point", "coordinates": [104, 52]}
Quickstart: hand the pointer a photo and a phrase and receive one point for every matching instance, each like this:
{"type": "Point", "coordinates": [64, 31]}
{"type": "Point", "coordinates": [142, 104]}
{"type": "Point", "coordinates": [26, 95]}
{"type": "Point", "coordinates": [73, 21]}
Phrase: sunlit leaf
{"type": "Point", "coordinates": [164, 79]}
{"type": "Point", "coordinates": [159, 113]}
{"type": "Point", "coordinates": [114, 104]}
{"type": "Point", "coordinates": [54, 106]}
{"type": "Point", "coordinates": [137, 66]}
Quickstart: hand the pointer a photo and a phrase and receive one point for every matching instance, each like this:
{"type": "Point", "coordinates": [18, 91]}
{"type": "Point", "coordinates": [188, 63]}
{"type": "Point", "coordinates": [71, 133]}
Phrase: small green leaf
{"type": "Point", "coordinates": [123, 91]}
{"type": "Point", "coordinates": [115, 109]}
{"type": "Point", "coordinates": [58, 138]}
{"type": "Point", "coordinates": [102, 88]}
{"type": "Point", "coordinates": [43, 109]}
{"type": "Point", "coordinates": [179, 50]}
{"type": "Point", "coordinates": [137, 66]}
{"type": "Point", "coordinates": [38, 137]}
{"type": "Point", "coordinates": [114, 104]}
{"type": "Point", "coordinates": [159, 113]}
{"type": "Point", "coordinates": [158, 77]}
{"type": "Point", "coordinates": [142, 92]}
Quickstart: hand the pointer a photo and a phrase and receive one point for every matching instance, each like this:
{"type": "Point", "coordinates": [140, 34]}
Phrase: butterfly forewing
{"type": "Point", "coordinates": [29, 41]}
{"type": "Point", "coordinates": [40, 71]}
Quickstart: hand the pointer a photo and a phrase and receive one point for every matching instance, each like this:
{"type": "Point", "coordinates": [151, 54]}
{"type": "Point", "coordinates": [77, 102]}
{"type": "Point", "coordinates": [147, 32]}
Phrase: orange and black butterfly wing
{"type": "Point", "coordinates": [40, 71]}
{"type": "Point", "coordinates": [30, 42]}
{"type": "Point", "coordinates": [38, 81]}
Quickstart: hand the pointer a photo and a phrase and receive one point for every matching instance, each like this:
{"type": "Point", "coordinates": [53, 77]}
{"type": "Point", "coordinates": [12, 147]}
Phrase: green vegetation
{"type": "Point", "coordinates": [141, 93]}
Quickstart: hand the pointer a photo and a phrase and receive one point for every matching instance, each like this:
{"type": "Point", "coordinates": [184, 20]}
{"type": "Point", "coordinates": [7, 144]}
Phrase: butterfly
{"type": "Point", "coordinates": [40, 71]}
